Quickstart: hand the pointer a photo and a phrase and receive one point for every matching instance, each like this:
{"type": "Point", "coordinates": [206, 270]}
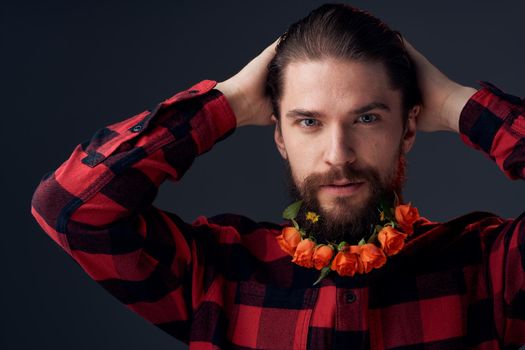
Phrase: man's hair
{"type": "Point", "coordinates": [341, 31]}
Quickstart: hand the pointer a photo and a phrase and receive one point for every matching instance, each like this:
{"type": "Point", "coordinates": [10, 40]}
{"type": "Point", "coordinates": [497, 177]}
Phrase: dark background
{"type": "Point", "coordinates": [69, 68]}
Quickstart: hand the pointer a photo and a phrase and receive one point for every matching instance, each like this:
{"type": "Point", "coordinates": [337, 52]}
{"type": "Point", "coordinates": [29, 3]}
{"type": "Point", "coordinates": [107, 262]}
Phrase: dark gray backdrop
{"type": "Point", "coordinates": [69, 68]}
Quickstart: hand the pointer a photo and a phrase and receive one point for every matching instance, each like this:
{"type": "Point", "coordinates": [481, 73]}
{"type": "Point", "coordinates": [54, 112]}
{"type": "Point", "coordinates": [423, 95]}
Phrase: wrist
{"type": "Point", "coordinates": [235, 100]}
{"type": "Point", "coordinates": [454, 105]}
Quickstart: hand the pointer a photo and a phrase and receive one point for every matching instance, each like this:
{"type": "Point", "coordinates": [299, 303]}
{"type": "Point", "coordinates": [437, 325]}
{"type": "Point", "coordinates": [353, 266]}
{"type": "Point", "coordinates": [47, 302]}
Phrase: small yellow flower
{"type": "Point", "coordinates": [313, 217]}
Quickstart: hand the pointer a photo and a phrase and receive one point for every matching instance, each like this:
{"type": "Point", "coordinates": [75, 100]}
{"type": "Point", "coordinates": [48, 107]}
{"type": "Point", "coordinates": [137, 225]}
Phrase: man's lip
{"type": "Point", "coordinates": [343, 183]}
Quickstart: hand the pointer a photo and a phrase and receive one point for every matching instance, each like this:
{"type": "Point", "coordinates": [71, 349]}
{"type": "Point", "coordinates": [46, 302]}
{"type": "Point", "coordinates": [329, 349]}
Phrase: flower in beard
{"type": "Point", "coordinates": [289, 239]}
{"type": "Point", "coordinates": [345, 223]}
{"type": "Point", "coordinates": [311, 216]}
{"type": "Point", "coordinates": [406, 215]}
{"type": "Point", "coordinates": [322, 255]}
{"type": "Point", "coordinates": [304, 253]}
{"type": "Point", "coordinates": [371, 256]}
{"type": "Point", "coordinates": [347, 262]}
{"type": "Point", "coordinates": [392, 240]}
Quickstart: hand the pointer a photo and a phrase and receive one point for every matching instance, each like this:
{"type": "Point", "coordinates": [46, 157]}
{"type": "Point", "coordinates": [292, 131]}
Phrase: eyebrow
{"type": "Point", "coordinates": [304, 112]}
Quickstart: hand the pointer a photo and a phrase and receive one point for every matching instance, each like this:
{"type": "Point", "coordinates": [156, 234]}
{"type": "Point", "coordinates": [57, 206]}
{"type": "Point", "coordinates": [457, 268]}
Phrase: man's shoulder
{"type": "Point", "coordinates": [454, 243]}
{"type": "Point", "coordinates": [239, 240]}
{"type": "Point", "coordinates": [475, 220]}
{"type": "Point", "coordinates": [460, 228]}
{"type": "Point", "coordinates": [473, 217]}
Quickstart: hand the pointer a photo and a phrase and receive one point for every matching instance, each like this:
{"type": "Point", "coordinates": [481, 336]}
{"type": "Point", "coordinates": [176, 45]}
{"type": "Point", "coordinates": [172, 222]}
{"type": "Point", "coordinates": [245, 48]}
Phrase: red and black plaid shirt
{"type": "Point", "coordinates": [222, 282]}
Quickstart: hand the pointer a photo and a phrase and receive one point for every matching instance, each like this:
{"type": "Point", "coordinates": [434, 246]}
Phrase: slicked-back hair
{"type": "Point", "coordinates": [341, 31]}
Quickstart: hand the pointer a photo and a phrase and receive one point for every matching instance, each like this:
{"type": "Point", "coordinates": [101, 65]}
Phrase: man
{"type": "Point", "coordinates": [225, 281]}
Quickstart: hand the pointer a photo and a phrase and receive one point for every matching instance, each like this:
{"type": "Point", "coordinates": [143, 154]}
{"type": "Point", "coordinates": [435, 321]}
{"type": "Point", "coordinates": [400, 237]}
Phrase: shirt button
{"type": "Point", "coordinates": [350, 297]}
{"type": "Point", "coordinates": [136, 128]}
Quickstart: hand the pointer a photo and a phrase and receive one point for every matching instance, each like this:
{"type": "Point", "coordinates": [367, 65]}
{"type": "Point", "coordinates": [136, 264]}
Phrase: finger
{"type": "Point", "coordinates": [273, 45]}
{"type": "Point", "coordinates": [415, 54]}
{"type": "Point", "coordinates": [269, 51]}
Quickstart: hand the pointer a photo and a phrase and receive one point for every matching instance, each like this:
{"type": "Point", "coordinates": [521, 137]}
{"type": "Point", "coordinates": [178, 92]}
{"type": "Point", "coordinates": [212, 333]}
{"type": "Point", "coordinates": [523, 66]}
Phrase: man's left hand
{"type": "Point", "coordinates": [443, 99]}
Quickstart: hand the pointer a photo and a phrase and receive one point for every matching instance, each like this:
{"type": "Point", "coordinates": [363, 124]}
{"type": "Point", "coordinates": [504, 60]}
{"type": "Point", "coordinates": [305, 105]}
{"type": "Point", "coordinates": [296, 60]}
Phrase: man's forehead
{"type": "Point", "coordinates": [356, 87]}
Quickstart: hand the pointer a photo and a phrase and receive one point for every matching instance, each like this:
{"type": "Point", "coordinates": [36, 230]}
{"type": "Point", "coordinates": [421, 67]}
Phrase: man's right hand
{"type": "Point", "coordinates": [245, 90]}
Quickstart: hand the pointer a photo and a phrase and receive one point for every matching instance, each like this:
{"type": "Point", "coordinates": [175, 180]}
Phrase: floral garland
{"type": "Point", "coordinates": [386, 240]}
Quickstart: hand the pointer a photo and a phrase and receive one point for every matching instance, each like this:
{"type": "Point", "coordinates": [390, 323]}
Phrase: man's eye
{"type": "Point", "coordinates": [368, 118]}
{"type": "Point", "coordinates": [307, 125]}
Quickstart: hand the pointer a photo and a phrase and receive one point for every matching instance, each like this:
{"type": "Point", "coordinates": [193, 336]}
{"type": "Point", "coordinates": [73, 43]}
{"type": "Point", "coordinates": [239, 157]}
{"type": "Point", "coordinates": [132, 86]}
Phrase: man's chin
{"type": "Point", "coordinates": [337, 206]}
{"type": "Point", "coordinates": [341, 215]}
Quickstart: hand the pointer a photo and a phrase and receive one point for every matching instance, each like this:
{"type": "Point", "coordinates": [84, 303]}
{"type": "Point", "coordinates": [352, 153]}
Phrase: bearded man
{"type": "Point", "coordinates": [345, 95]}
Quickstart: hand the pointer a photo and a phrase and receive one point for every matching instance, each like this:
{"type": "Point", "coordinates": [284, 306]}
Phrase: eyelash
{"type": "Point", "coordinates": [374, 115]}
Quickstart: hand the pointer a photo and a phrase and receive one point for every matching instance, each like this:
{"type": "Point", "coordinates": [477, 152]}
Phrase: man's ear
{"type": "Point", "coordinates": [409, 136]}
{"type": "Point", "coordinates": [278, 137]}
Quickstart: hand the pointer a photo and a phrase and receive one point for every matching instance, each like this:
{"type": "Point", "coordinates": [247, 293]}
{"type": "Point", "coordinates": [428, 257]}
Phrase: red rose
{"type": "Point", "coordinates": [392, 241]}
{"type": "Point", "coordinates": [304, 253]}
{"type": "Point", "coordinates": [289, 239]}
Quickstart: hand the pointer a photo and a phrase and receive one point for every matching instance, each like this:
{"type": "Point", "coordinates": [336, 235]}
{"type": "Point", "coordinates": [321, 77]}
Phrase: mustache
{"type": "Point", "coordinates": [348, 173]}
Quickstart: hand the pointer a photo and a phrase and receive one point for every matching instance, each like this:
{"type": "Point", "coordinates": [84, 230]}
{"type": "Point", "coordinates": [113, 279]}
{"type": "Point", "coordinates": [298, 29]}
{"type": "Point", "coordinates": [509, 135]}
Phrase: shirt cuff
{"type": "Point", "coordinates": [217, 120]}
{"type": "Point", "coordinates": [483, 115]}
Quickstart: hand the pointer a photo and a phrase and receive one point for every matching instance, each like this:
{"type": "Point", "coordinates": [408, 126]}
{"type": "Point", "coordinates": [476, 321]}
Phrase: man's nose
{"type": "Point", "coordinates": [340, 147]}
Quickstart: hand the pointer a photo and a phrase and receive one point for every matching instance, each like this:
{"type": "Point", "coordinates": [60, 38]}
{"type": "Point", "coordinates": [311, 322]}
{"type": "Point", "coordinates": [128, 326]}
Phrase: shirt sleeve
{"type": "Point", "coordinates": [493, 122]}
{"type": "Point", "coordinates": [97, 205]}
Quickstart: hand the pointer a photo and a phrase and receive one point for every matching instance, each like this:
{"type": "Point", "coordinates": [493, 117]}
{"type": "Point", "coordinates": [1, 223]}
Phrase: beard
{"type": "Point", "coordinates": [346, 221]}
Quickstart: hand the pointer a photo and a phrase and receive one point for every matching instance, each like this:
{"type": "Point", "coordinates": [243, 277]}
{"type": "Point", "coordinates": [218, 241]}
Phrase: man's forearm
{"type": "Point", "coordinates": [236, 102]}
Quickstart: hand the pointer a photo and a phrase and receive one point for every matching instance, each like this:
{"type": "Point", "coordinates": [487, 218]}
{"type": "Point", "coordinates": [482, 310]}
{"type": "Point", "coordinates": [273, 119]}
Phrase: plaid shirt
{"type": "Point", "coordinates": [222, 282]}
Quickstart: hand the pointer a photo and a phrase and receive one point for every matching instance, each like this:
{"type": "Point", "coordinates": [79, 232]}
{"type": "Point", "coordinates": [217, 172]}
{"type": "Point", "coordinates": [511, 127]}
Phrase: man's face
{"type": "Point", "coordinates": [342, 123]}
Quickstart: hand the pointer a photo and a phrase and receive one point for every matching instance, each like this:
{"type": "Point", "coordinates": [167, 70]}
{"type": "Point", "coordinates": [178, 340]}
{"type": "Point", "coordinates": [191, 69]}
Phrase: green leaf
{"type": "Point", "coordinates": [303, 233]}
{"type": "Point", "coordinates": [341, 245]}
{"type": "Point", "coordinates": [396, 200]}
{"type": "Point", "coordinates": [295, 224]}
{"type": "Point", "coordinates": [361, 242]}
{"type": "Point", "coordinates": [324, 272]}
{"type": "Point", "coordinates": [385, 206]}
{"type": "Point", "coordinates": [372, 233]}
{"type": "Point", "coordinates": [291, 211]}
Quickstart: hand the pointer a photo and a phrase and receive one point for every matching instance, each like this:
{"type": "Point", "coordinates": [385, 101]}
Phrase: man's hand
{"type": "Point", "coordinates": [443, 99]}
{"type": "Point", "coordinates": [245, 90]}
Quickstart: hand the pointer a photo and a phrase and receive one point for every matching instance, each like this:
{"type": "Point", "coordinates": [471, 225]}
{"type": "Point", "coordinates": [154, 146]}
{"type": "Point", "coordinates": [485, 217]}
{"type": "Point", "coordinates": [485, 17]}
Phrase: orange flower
{"type": "Point", "coordinates": [391, 240]}
{"type": "Point", "coordinates": [289, 239]}
{"type": "Point", "coordinates": [372, 256]}
{"type": "Point", "coordinates": [322, 255]}
{"type": "Point", "coordinates": [347, 262]}
{"type": "Point", "coordinates": [304, 253]}
{"type": "Point", "coordinates": [406, 215]}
